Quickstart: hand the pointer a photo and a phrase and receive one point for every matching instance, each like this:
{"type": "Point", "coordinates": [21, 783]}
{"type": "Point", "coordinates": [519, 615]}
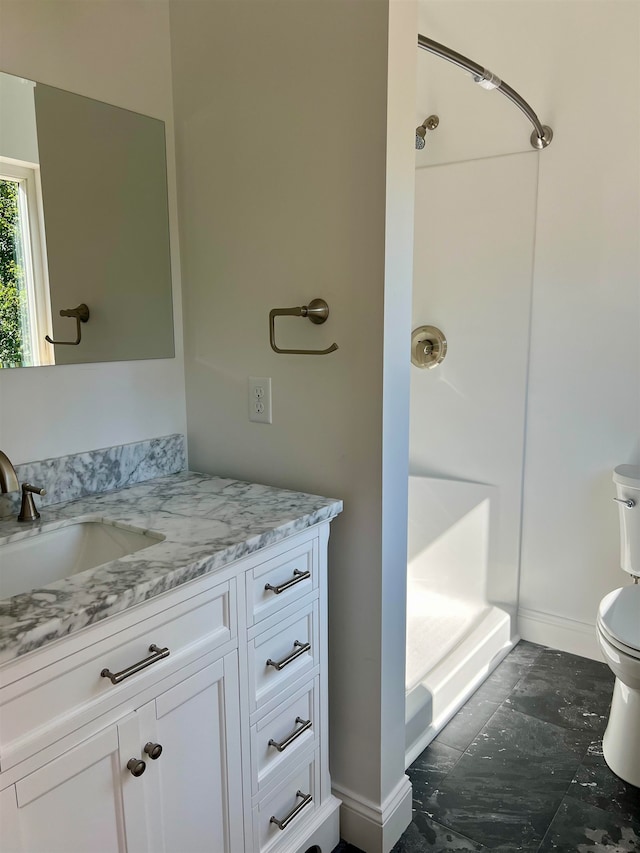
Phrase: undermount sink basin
{"type": "Point", "coordinates": [39, 560]}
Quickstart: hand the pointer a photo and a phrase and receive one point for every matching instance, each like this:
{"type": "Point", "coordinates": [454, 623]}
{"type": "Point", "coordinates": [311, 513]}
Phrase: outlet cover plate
{"type": "Point", "coordinates": [260, 399]}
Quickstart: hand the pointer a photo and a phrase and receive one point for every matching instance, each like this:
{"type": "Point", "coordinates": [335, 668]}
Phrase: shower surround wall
{"type": "Point", "coordinates": [467, 429]}
{"type": "Point", "coordinates": [572, 230]}
{"type": "Point", "coordinates": [468, 414]}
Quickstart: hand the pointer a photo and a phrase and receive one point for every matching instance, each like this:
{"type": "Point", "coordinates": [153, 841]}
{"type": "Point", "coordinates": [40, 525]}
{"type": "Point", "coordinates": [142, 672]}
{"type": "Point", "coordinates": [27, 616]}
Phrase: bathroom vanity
{"type": "Point", "coordinates": [175, 698]}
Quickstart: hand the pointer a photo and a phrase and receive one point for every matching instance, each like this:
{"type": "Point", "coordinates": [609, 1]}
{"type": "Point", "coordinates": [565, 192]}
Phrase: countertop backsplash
{"type": "Point", "coordinates": [67, 478]}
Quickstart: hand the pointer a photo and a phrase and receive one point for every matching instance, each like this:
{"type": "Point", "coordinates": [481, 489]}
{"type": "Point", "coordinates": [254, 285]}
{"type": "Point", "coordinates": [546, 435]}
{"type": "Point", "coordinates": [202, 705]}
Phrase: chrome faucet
{"type": "Point", "coordinates": [9, 483]}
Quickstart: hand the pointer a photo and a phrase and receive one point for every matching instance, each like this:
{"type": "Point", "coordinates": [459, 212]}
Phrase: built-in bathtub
{"type": "Point", "coordinates": [455, 635]}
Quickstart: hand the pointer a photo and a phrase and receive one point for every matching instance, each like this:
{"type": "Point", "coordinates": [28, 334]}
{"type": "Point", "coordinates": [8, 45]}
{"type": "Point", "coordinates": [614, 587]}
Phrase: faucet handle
{"type": "Point", "coordinates": [35, 490]}
{"type": "Point", "coordinates": [28, 511]}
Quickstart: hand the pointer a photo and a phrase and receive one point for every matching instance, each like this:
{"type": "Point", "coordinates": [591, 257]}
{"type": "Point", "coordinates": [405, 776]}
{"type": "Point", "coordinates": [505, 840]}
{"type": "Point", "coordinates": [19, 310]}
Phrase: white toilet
{"type": "Point", "coordinates": [618, 630]}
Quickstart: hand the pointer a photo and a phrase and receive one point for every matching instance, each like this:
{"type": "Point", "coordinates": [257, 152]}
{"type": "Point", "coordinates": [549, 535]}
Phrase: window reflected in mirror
{"type": "Point", "coordinates": [24, 287]}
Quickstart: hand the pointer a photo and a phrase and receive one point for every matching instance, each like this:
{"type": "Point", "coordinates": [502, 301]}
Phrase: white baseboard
{"type": "Point", "coordinates": [559, 632]}
{"type": "Point", "coordinates": [371, 827]}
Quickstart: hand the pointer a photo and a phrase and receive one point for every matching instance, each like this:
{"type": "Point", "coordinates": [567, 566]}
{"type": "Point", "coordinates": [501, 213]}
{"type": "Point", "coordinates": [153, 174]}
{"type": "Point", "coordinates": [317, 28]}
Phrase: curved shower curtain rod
{"type": "Point", "coordinates": [542, 134]}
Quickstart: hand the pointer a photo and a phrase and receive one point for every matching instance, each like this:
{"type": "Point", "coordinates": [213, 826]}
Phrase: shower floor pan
{"type": "Point", "coordinates": [453, 646]}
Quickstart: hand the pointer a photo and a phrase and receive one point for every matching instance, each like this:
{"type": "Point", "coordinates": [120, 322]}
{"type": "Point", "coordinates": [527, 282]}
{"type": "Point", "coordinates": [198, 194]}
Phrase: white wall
{"type": "Point", "coordinates": [584, 400]}
{"type": "Point", "coordinates": [583, 414]}
{"type": "Point", "coordinates": [117, 52]}
{"type": "Point", "coordinates": [19, 135]}
{"type": "Point", "coordinates": [287, 178]}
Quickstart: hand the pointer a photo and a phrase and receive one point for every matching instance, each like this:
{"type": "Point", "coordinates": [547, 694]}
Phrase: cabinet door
{"type": "Point", "coordinates": [194, 791]}
{"type": "Point", "coordinates": [85, 800]}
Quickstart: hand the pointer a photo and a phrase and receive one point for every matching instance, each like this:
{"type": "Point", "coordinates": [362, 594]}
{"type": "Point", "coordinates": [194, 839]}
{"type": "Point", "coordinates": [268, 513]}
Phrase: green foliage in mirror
{"type": "Point", "coordinates": [11, 278]}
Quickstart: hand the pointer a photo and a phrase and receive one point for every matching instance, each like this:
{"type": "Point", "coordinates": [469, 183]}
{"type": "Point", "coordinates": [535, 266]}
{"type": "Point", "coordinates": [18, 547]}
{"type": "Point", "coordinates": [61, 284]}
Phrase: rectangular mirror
{"type": "Point", "coordinates": [85, 271]}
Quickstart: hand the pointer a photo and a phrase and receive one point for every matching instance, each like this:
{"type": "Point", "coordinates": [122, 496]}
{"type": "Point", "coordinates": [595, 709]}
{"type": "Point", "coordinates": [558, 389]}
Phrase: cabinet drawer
{"type": "Point", "coordinates": [286, 578]}
{"type": "Point", "coordinates": [59, 698]}
{"type": "Point", "coordinates": [278, 738]}
{"type": "Point", "coordinates": [282, 654]}
{"type": "Point", "coordinates": [292, 803]}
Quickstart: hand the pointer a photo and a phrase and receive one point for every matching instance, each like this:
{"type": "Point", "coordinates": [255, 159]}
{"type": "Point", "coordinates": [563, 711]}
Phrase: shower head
{"type": "Point", "coordinates": [429, 123]}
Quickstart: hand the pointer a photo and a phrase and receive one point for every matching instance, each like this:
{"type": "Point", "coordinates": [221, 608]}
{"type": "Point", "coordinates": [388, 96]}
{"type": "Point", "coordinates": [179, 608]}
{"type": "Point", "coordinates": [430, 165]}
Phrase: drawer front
{"type": "Point", "coordinates": [61, 697]}
{"type": "Point", "coordinates": [279, 738]}
{"type": "Point", "coordinates": [283, 654]}
{"type": "Point", "coordinates": [292, 804]}
{"type": "Point", "coordinates": [276, 583]}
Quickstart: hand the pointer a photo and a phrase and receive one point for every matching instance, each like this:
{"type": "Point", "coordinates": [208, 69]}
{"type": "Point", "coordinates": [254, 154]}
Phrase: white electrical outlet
{"type": "Point", "coordinates": [260, 399]}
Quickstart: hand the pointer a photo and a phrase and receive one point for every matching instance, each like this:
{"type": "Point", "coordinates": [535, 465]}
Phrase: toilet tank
{"type": "Point", "coordinates": [627, 480]}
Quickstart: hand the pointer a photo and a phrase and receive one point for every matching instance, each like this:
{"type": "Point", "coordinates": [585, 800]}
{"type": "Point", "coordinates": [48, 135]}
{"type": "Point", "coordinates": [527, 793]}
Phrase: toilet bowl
{"type": "Point", "coordinates": [618, 632]}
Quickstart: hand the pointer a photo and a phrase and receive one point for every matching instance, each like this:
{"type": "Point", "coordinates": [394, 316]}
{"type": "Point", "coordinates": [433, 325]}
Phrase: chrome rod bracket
{"type": "Point", "coordinates": [541, 142]}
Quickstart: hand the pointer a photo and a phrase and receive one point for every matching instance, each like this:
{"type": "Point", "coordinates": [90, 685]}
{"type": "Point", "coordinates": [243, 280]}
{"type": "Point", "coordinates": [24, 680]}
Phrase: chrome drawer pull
{"type": "Point", "coordinates": [295, 811]}
{"type": "Point", "coordinates": [301, 648]}
{"type": "Point", "coordinates": [117, 677]}
{"type": "Point", "coordinates": [297, 577]}
{"type": "Point", "coordinates": [304, 725]}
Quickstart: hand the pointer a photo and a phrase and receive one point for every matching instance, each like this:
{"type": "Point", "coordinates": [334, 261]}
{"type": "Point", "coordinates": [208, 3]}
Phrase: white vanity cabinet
{"type": "Point", "coordinates": [218, 746]}
{"type": "Point", "coordinates": [194, 788]}
{"type": "Point", "coordinates": [160, 776]}
{"type": "Point", "coordinates": [90, 798]}
{"type": "Point", "coordinates": [79, 801]}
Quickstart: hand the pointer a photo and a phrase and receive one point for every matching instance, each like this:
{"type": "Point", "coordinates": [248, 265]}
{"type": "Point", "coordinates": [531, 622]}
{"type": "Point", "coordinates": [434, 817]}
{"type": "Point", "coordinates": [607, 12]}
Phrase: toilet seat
{"type": "Point", "coordinates": [616, 644]}
{"type": "Point", "coordinates": [619, 619]}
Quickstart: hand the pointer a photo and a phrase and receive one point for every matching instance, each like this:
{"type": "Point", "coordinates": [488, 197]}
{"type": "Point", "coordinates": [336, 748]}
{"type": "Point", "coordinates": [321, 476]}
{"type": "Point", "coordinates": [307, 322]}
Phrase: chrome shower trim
{"type": "Point", "coordinates": [542, 135]}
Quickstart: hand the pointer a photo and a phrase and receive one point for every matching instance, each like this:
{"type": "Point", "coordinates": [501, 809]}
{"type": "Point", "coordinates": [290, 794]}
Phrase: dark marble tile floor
{"type": "Point", "coordinates": [520, 767]}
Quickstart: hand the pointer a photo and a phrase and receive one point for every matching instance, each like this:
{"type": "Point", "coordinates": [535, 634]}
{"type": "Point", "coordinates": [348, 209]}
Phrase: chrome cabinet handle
{"type": "Point", "coordinates": [136, 766]}
{"type": "Point", "coordinates": [153, 750]}
{"type": "Point", "coordinates": [295, 811]}
{"type": "Point", "coordinates": [298, 576]}
{"type": "Point", "coordinates": [304, 725]}
{"type": "Point", "coordinates": [117, 677]}
{"type": "Point", "coordinates": [301, 648]}
{"type": "Point", "coordinates": [628, 502]}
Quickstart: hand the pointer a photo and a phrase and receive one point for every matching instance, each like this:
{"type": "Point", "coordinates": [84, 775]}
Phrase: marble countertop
{"type": "Point", "coordinates": [207, 522]}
